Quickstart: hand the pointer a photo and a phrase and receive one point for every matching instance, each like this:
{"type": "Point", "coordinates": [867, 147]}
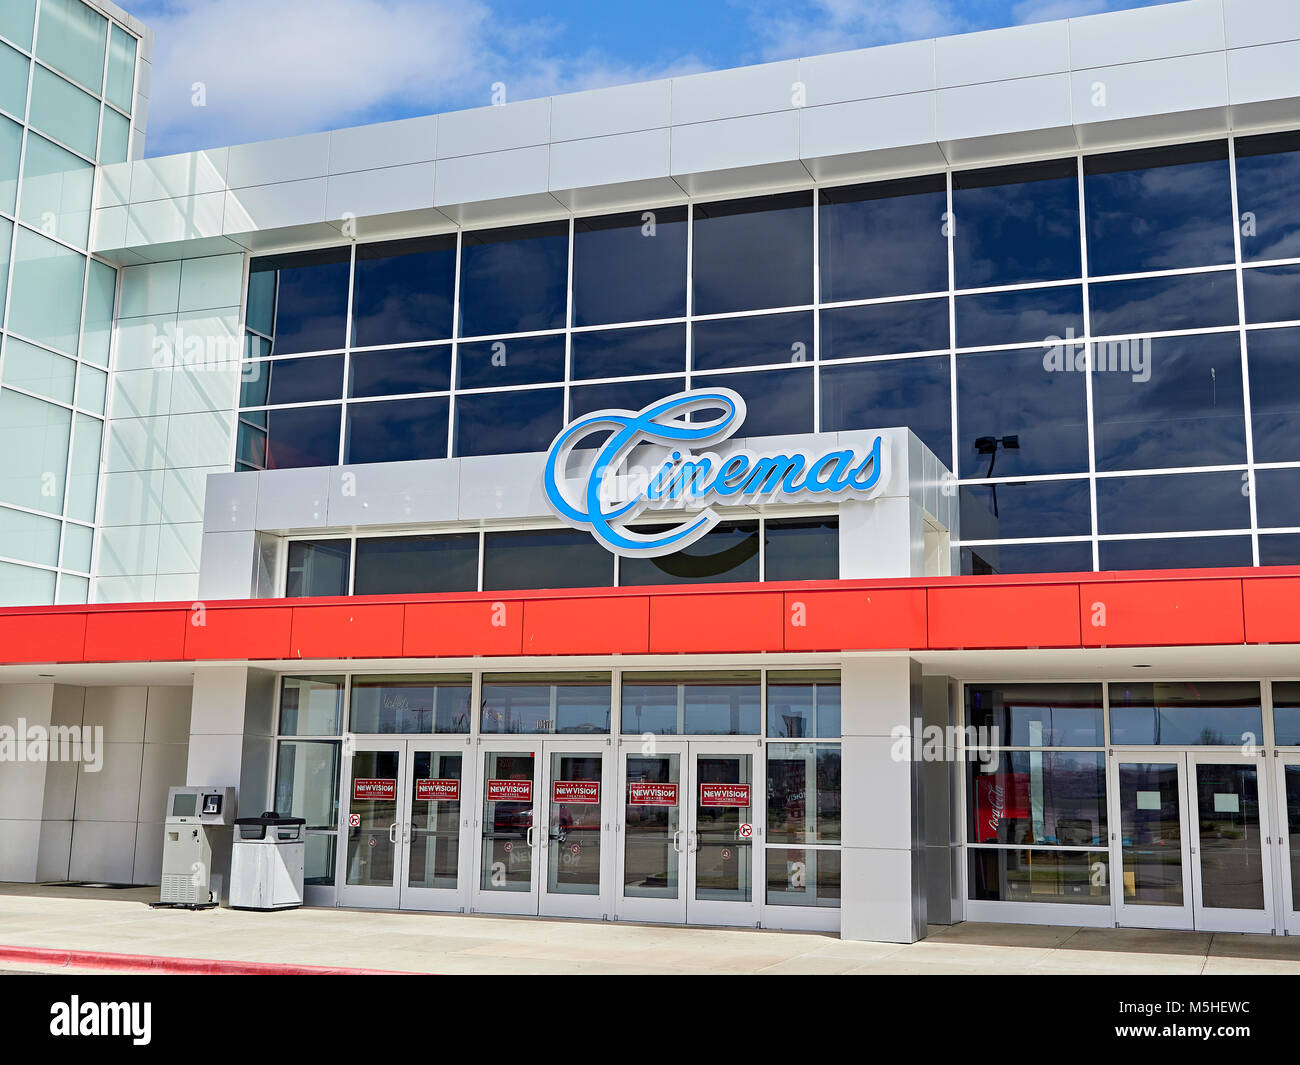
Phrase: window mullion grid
{"type": "Point", "coordinates": [1087, 349]}
{"type": "Point", "coordinates": [1249, 486]}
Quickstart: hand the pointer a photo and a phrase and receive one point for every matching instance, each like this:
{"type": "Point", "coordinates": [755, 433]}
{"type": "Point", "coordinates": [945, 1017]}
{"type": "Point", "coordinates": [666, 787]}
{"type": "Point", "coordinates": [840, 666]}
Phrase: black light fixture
{"type": "Point", "coordinates": [988, 445]}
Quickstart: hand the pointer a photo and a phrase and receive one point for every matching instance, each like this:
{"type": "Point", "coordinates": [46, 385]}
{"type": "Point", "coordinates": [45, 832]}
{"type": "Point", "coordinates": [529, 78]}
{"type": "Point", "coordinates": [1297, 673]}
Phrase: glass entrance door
{"type": "Point", "coordinates": [1287, 835]}
{"type": "Point", "coordinates": [1233, 889]}
{"type": "Point", "coordinates": [688, 852]}
{"type": "Point", "coordinates": [402, 822]}
{"type": "Point", "coordinates": [542, 828]}
{"type": "Point", "coordinates": [1192, 848]}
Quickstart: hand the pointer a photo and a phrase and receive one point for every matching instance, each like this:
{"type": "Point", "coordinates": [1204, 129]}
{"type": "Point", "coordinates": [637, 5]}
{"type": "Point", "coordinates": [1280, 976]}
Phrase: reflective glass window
{"type": "Point", "coordinates": [1002, 511]}
{"type": "Point", "coordinates": [779, 402]}
{"type": "Point", "coordinates": [1268, 195]}
{"type": "Point", "coordinates": [983, 559]}
{"type": "Point", "coordinates": [1036, 715]}
{"type": "Point", "coordinates": [728, 552]}
{"type": "Point", "coordinates": [1178, 502]}
{"type": "Point", "coordinates": [84, 467]}
{"type": "Point", "coordinates": [11, 148]}
{"type": "Point", "coordinates": [1002, 874]}
{"type": "Point", "coordinates": [36, 370]}
{"type": "Point", "coordinates": [56, 191]}
{"type": "Point", "coordinates": [514, 280]}
{"type": "Point", "coordinates": [1178, 552]}
{"type": "Point", "coordinates": [45, 297]}
{"type": "Point", "coordinates": [803, 704]}
{"type": "Point", "coordinates": [17, 18]}
{"type": "Point", "coordinates": [293, 438]}
{"type": "Point", "coordinates": [803, 792]}
{"type": "Point", "coordinates": [1279, 549]}
{"type": "Point", "coordinates": [1277, 498]}
{"type": "Point", "coordinates": [1158, 208]}
{"type": "Point", "coordinates": [114, 138]}
{"type": "Point", "coordinates": [1272, 293]}
{"type": "Point", "coordinates": [629, 352]}
{"type": "Point", "coordinates": [307, 786]}
{"type": "Point", "coordinates": [307, 297]}
{"type": "Point", "coordinates": [282, 381]}
{"type": "Point", "coordinates": [72, 40]}
{"type": "Point", "coordinates": [630, 267]}
{"type": "Point", "coordinates": [621, 395]}
{"type": "Point", "coordinates": [570, 703]}
{"type": "Point", "coordinates": [1015, 415]}
{"type": "Point", "coordinates": [1016, 224]}
{"type": "Point", "coordinates": [1169, 401]}
{"type": "Point", "coordinates": [1162, 304]}
{"type": "Point", "coordinates": [311, 706]}
{"type": "Point", "coordinates": [1286, 713]}
{"type": "Point", "coordinates": [399, 371]}
{"type": "Point", "coordinates": [101, 288]}
{"type": "Point", "coordinates": [806, 549]}
{"type": "Point", "coordinates": [13, 82]}
{"type": "Point", "coordinates": [120, 80]}
{"type": "Point", "coordinates": [883, 239]}
{"type": "Point", "coordinates": [397, 431]}
{"type": "Point", "coordinates": [518, 361]}
{"type": "Point", "coordinates": [410, 704]}
{"type": "Point", "coordinates": [1272, 355]}
{"type": "Point", "coordinates": [414, 565]}
{"type": "Point", "coordinates": [912, 392]}
{"type": "Point", "coordinates": [989, 318]}
{"type": "Point", "coordinates": [63, 111]}
{"type": "Point", "coordinates": [755, 340]}
{"type": "Point", "coordinates": [34, 438]}
{"type": "Point", "coordinates": [884, 329]}
{"type": "Point", "coordinates": [551, 558]}
{"type": "Point", "coordinates": [1183, 712]}
{"type": "Point", "coordinates": [318, 567]}
{"type": "Point", "coordinates": [704, 704]}
{"type": "Point", "coordinates": [751, 254]}
{"type": "Point", "coordinates": [403, 291]}
{"type": "Point", "coordinates": [803, 877]}
{"type": "Point", "coordinates": [1041, 797]}
{"type": "Point", "coordinates": [506, 423]}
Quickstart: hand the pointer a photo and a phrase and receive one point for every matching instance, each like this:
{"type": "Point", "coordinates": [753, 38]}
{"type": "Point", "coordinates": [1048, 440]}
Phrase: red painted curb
{"type": "Point", "coordinates": [152, 963]}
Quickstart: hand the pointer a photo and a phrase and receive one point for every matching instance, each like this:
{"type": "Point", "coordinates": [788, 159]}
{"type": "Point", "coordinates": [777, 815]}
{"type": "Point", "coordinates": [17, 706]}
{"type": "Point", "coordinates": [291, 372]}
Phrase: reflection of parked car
{"type": "Point", "coordinates": [512, 819]}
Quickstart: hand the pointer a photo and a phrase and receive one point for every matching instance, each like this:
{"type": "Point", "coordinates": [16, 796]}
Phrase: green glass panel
{"type": "Point", "coordinates": [63, 111]}
{"type": "Point", "coordinates": [45, 304]}
{"type": "Point", "coordinates": [77, 542]}
{"type": "Point", "coordinates": [73, 590]}
{"type": "Point", "coordinates": [92, 387]}
{"type": "Point", "coordinates": [28, 537]}
{"type": "Point", "coordinates": [71, 39]}
{"type": "Point", "coordinates": [34, 442]}
{"type": "Point", "coordinates": [13, 81]}
{"type": "Point", "coordinates": [17, 17]}
{"type": "Point", "coordinates": [101, 287]}
{"type": "Point", "coordinates": [83, 473]}
{"type": "Point", "coordinates": [11, 149]}
{"type": "Point", "coordinates": [56, 191]}
{"type": "Point", "coordinates": [36, 370]}
{"type": "Point", "coordinates": [114, 138]}
{"type": "Point", "coordinates": [120, 83]}
{"type": "Point", "coordinates": [6, 239]}
{"type": "Point", "coordinates": [24, 586]}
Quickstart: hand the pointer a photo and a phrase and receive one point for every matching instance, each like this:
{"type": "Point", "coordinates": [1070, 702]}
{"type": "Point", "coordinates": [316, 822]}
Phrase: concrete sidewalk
{"type": "Point", "coordinates": [120, 922]}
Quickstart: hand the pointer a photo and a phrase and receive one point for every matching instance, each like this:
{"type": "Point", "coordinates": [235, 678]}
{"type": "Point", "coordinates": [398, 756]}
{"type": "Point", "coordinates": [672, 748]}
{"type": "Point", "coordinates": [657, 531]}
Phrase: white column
{"type": "Point", "coordinates": [22, 784]}
{"type": "Point", "coordinates": [230, 733]}
{"type": "Point", "coordinates": [882, 881]}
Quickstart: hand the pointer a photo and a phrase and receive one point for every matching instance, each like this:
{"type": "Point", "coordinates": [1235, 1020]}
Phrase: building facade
{"type": "Point", "coordinates": [845, 493]}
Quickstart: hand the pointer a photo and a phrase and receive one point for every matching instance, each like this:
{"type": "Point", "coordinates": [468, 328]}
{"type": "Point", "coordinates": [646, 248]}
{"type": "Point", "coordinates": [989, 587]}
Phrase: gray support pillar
{"type": "Point", "coordinates": [23, 783]}
{"type": "Point", "coordinates": [942, 830]}
{"type": "Point", "coordinates": [883, 876]}
{"type": "Point", "coordinates": [231, 729]}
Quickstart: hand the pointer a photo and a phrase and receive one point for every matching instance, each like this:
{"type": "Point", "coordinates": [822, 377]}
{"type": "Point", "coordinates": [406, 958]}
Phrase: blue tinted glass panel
{"type": "Point", "coordinates": [1038, 715]}
{"type": "Point", "coordinates": [1277, 498]}
{"type": "Point", "coordinates": [757, 340]}
{"type": "Point", "coordinates": [885, 329]}
{"type": "Point", "coordinates": [311, 299]}
{"type": "Point", "coordinates": [621, 395]}
{"type": "Point", "coordinates": [1158, 209]}
{"type": "Point", "coordinates": [1181, 502]}
{"type": "Point", "coordinates": [520, 361]}
{"type": "Point", "coordinates": [883, 239]}
{"type": "Point", "coordinates": [729, 552]}
{"type": "Point", "coordinates": [751, 254]}
{"type": "Point", "coordinates": [630, 267]}
{"type": "Point", "coordinates": [802, 550]}
{"type": "Point", "coordinates": [1279, 549]}
{"type": "Point", "coordinates": [985, 559]}
{"type": "Point", "coordinates": [553, 558]}
{"type": "Point", "coordinates": [1224, 713]}
{"type": "Point", "coordinates": [1025, 509]}
{"type": "Point", "coordinates": [389, 565]}
{"type": "Point", "coordinates": [1162, 304]}
{"type": "Point", "coordinates": [1014, 416]}
{"type": "Point", "coordinates": [514, 280]}
{"type": "Point", "coordinates": [524, 702]}
{"type": "Point", "coordinates": [411, 704]}
{"type": "Point", "coordinates": [400, 371]}
{"type": "Point", "coordinates": [916, 393]}
{"type": "Point", "coordinates": [302, 436]}
{"type": "Point", "coordinates": [1286, 712]}
{"type": "Point", "coordinates": [802, 704]}
{"type": "Point", "coordinates": [397, 431]}
{"type": "Point", "coordinates": [1041, 314]}
{"type": "Point", "coordinates": [292, 381]}
{"type": "Point", "coordinates": [403, 291]}
{"type": "Point", "coordinates": [1272, 355]}
{"type": "Point", "coordinates": [693, 703]}
{"type": "Point", "coordinates": [1178, 403]}
{"type": "Point", "coordinates": [1178, 552]}
{"type": "Point", "coordinates": [1272, 293]}
{"type": "Point", "coordinates": [1016, 224]}
{"type": "Point", "coordinates": [506, 423]}
{"type": "Point", "coordinates": [1268, 195]}
{"type": "Point", "coordinates": [779, 402]}
{"type": "Point", "coordinates": [629, 352]}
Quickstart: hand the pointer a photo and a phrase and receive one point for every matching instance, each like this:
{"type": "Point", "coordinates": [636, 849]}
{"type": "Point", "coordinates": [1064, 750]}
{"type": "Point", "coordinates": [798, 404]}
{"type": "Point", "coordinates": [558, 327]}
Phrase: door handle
{"type": "Point", "coordinates": [529, 837]}
{"type": "Point", "coordinates": [677, 841]}
{"type": "Point", "coordinates": [392, 832]}
{"type": "Point", "coordinates": [690, 841]}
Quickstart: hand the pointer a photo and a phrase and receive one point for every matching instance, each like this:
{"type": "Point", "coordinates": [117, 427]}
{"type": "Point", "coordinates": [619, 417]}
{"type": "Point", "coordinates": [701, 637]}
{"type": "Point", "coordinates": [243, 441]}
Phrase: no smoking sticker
{"type": "Point", "coordinates": [726, 854]}
{"type": "Point", "coordinates": [509, 847]}
{"type": "Point", "coordinates": [372, 841]}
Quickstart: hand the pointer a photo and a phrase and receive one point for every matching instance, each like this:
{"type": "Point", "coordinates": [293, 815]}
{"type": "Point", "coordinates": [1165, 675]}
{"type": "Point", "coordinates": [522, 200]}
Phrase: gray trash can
{"type": "Point", "coordinates": [267, 860]}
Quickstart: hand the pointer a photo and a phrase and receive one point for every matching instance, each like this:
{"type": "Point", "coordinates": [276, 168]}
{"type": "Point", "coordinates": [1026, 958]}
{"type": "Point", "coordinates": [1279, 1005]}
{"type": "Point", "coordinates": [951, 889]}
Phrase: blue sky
{"type": "Point", "coordinates": [274, 68]}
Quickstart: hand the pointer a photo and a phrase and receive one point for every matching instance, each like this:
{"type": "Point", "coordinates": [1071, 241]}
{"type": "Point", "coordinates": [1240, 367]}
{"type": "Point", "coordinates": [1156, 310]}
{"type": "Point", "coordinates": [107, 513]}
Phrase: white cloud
{"type": "Point", "coordinates": [819, 26]}
{"type": "Point", "coordinates": [274, 68]}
